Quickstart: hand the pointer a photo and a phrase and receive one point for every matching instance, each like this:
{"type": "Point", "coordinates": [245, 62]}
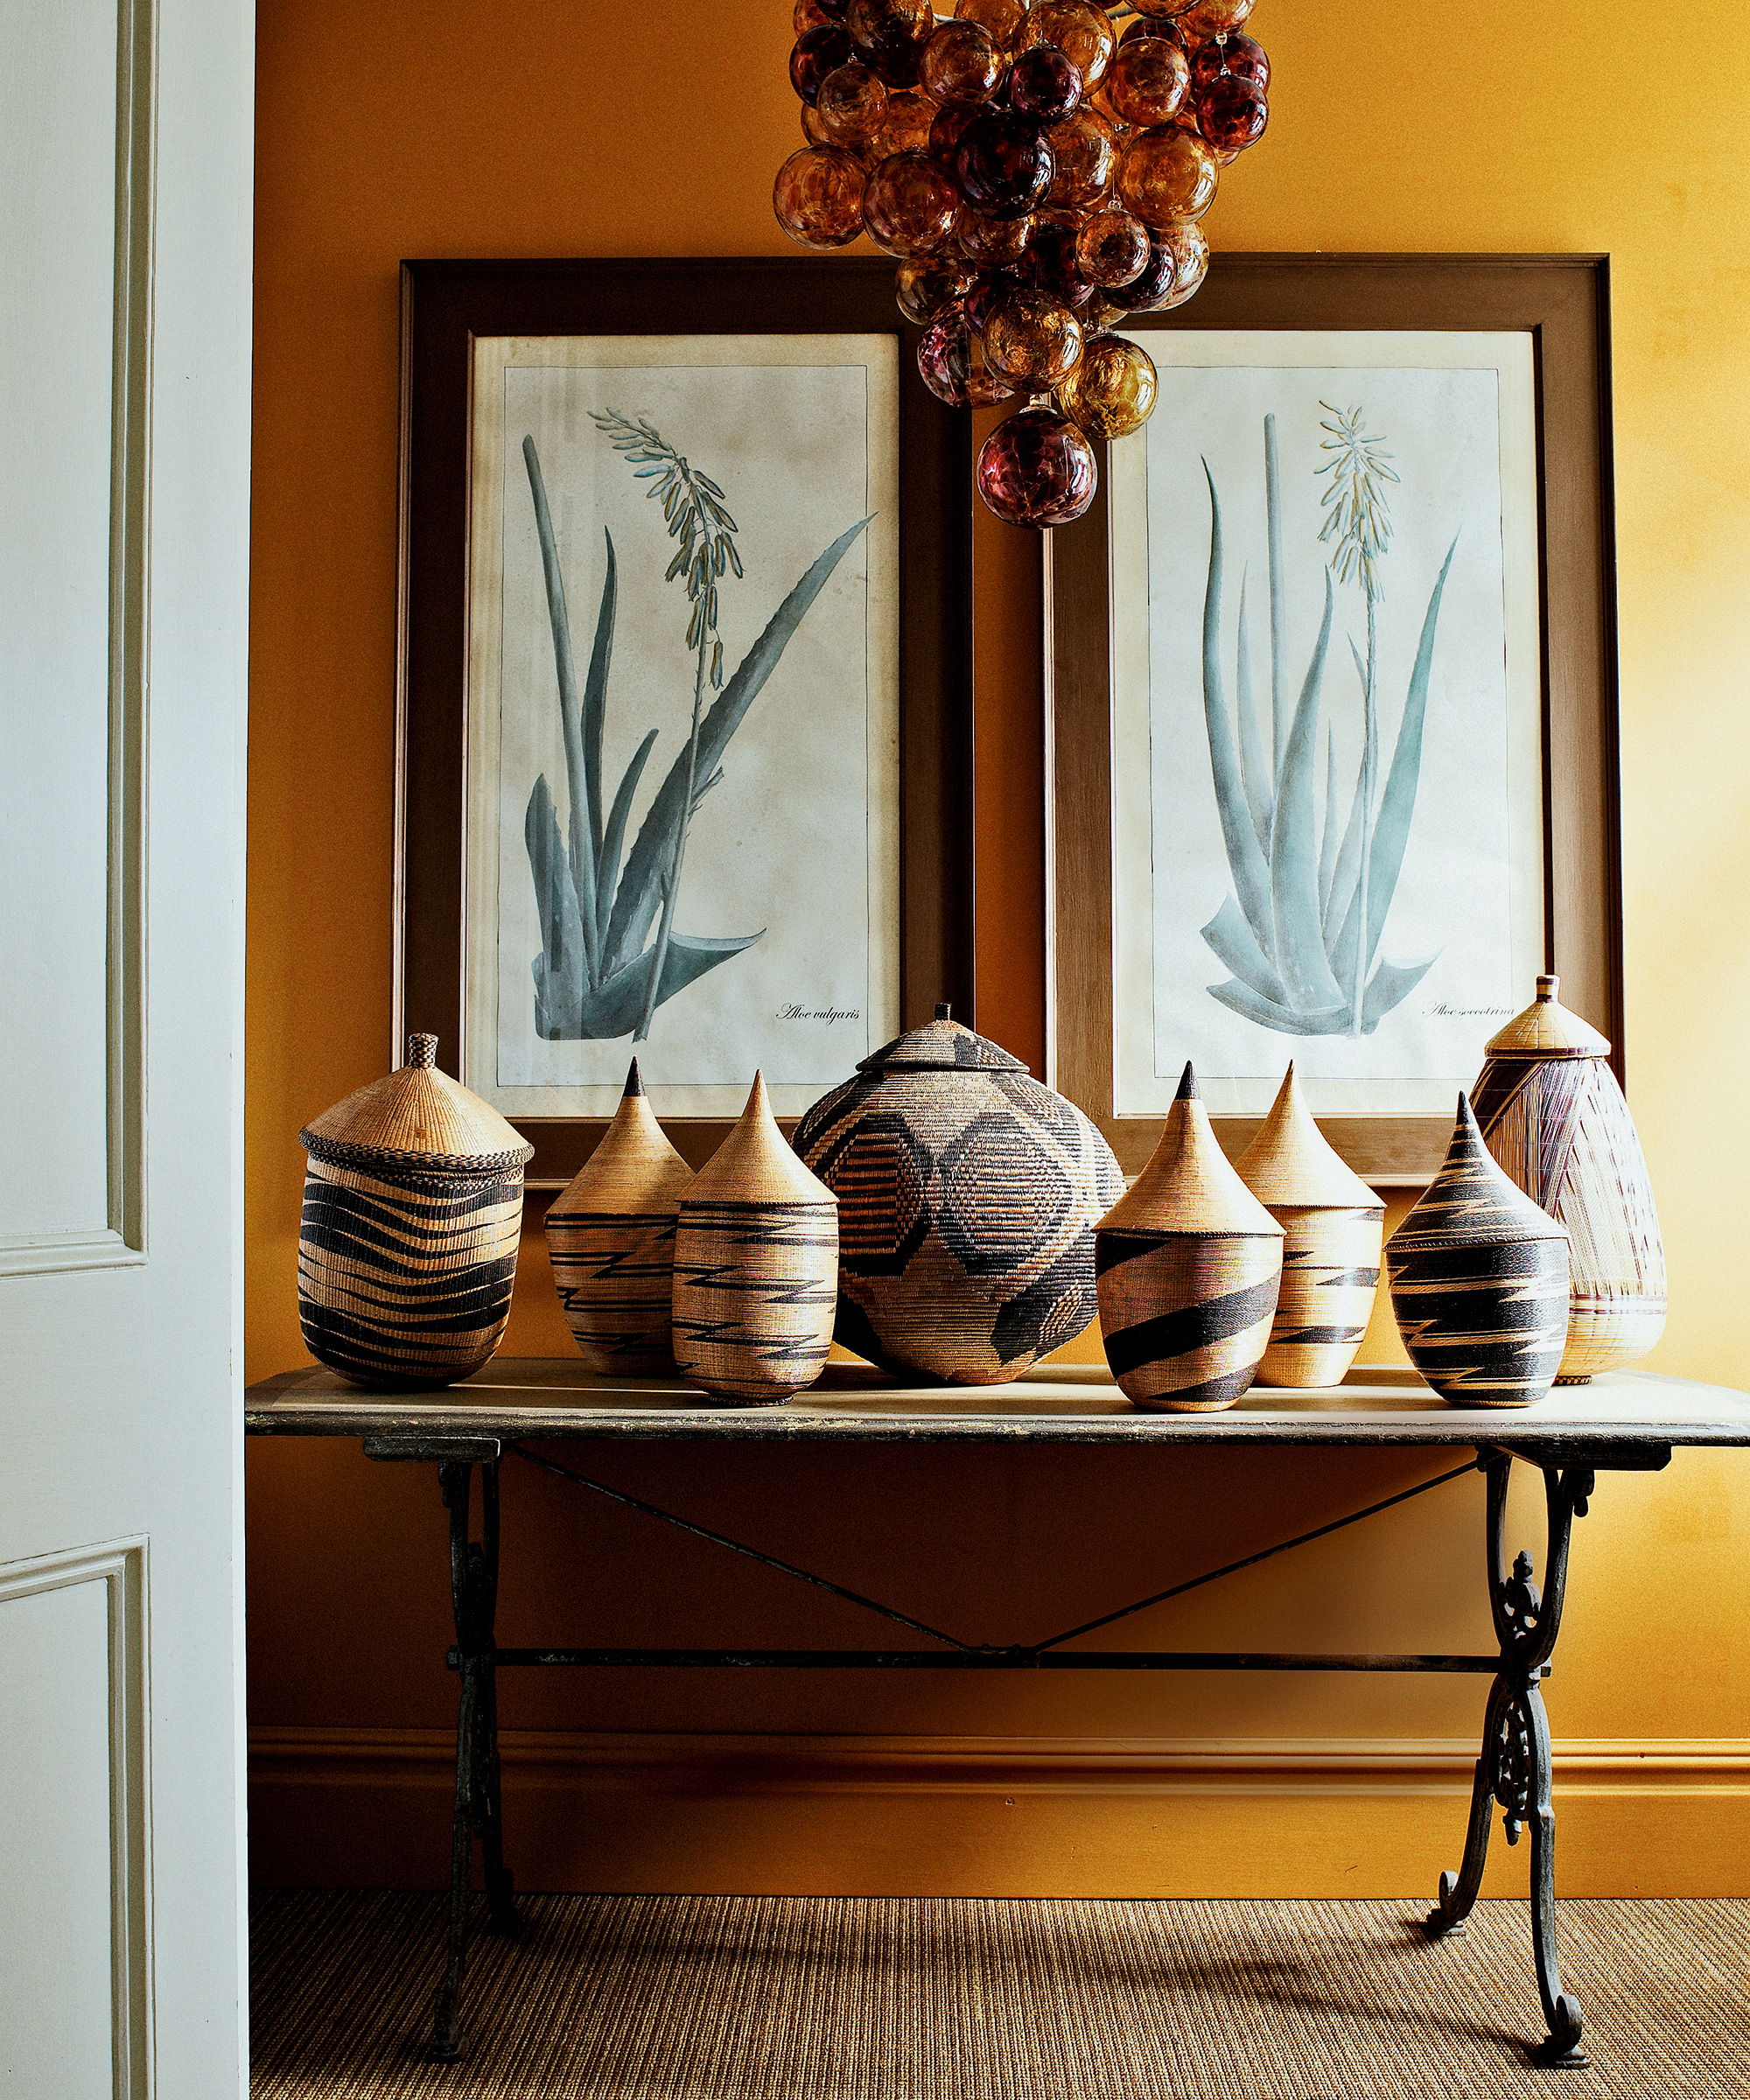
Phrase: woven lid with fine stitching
{"type": "Point", "coordinates": [1547, 1029]}
{"type": "Point", "coordinates": [940, 1045]}
{"type": "Point", "coordinates": [417, 1116]}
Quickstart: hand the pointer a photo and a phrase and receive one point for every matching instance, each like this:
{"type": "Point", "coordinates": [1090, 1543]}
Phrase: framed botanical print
{"type": "Point", "coordinates": [685, 614]}
{"type": "Point", "coordinates": [1350, 783]}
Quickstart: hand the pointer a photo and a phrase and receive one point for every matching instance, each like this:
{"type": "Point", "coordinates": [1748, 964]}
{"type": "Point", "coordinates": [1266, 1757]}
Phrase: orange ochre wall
{"type": "Point", "coordinates": [409, 127]}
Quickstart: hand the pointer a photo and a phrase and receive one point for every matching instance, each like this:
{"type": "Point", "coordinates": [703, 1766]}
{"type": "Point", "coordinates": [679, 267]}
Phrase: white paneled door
{"type": "Point", "coordinates": [125, 235]}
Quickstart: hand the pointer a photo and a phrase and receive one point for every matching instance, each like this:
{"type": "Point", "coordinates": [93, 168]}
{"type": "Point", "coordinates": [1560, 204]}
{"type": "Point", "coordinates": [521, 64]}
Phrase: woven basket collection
{"type": "Point", "coordinates": [949, 1218]}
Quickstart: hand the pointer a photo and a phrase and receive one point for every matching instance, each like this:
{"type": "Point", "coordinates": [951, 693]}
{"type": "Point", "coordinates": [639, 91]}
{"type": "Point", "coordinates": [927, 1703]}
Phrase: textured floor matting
{"type": "Point", "coordinates": [714, 1997]}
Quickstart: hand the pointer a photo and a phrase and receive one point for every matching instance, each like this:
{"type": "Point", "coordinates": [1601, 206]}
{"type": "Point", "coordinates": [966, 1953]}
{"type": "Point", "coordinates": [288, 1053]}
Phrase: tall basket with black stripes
{"type": "Point", "coordinates": [407, 1246]}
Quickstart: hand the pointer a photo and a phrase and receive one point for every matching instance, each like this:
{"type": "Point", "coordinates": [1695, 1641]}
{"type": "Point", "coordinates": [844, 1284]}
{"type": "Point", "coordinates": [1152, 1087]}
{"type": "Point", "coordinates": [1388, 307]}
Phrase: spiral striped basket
{"type": "Point", "coordinates": [407, 1246]}
{"type": "Point", "coordinates": [610, 1236]}
{"type": "Point", "coordinates": [756, 1267]}
{"type": "Point", "coordinates": [1479, 1278]}
{"type": "Point", "coordinates": [1555, 1121]}
{"type": "Point", "coordinates": [1333, 1224]}
{"type": "Point", "coordinates": [1188, 1266]}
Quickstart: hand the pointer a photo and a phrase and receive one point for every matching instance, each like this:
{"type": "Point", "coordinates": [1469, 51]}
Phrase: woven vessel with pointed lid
{"type": "Point", "coordinates": [412, 1209]}
{"type": "Point", "coordinates": [1334, 1223]}
{"type": "Point", "coordinates": [756, 1266]}
{"type": "Point", "coordinates": [1189, 1265]}
{"type": "Point", "coordinates": [1479, 1278]}
{"type": "Point", "coordinates": [968, 1194]}
{"type": "Point", "coordinates": [611, 1234]}
{"type": "Point", "coordinates": [1554, 1118]}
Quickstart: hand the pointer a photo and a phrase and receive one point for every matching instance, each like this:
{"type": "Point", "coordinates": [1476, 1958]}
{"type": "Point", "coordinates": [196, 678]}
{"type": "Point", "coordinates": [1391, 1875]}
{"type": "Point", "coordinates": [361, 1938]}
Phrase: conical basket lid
{"type": "Point", "coordinates": [1291, 1162]}
{"type": "Point", "coordinates": [634, 1170]}
{"type": "Point", "coordinates": [1471, 1203]}
{"type": "Point", "coordinates": [753, 1165]}
{"type": "Point", "coordinates": [940, 1045]}
{"type": "Point", "coordinates": [1188, 1185]}
{"type": "Point", "coordinates": [1547, 1029]}
{"type": "Point", "coordinates": [417, 1114]}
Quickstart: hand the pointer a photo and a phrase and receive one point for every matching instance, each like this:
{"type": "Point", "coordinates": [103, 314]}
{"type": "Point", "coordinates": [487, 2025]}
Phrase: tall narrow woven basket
{"type": "Point", "coordinates": [412, 1207]}
{"type": "Point", "coordinates": [1555, 1121]}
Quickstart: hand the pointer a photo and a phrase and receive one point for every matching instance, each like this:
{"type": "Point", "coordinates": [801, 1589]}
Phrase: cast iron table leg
{"type": "Point", "coordinates": [473, 1586]}
{"type": "Point", "coordinates": [1513, 1768]}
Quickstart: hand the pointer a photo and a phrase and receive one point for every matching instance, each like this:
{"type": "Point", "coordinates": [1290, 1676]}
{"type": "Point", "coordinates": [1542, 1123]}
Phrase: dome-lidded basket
{"type": "Point", "coordinates": [412, 1209]}
{"type": "Point", "coordinates": [967, 1198]}
{"type": "Point", "coordinates": [1555, 1121]}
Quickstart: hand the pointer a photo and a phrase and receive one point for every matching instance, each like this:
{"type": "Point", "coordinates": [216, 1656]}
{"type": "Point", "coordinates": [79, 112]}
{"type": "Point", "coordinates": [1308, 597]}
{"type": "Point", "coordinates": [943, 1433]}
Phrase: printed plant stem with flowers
{"type": "Point", "coordinates": [598, 975]}
{"type": "Point", "coordinates": [1300, 932]}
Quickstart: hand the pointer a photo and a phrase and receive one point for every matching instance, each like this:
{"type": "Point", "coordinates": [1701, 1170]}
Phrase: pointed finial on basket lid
{"type": "Point", "coordinates": [422, 1053]}
{"type": "Point", "coordinates": [1187, 1084]}
{"type": "Point", "coordinates": [943, 1011]}
{"type": "Point", "coordinates": [1547, 1029]}
{"type": "Point", "coordinates": [417, 1112]}
{"type": "Point", "coordinates": [754, 1164]}
{"type": "Point", "coordinates": [1189, 1184]}
{"type": "Point", "coordinates": [634, 1083]}
{"type": "Point", "coordinates": [1291, 1162]}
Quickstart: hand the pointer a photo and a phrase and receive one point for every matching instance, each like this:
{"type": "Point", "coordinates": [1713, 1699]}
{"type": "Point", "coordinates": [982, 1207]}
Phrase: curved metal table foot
{"type": "Point", "coordinates": [1514, 1767]}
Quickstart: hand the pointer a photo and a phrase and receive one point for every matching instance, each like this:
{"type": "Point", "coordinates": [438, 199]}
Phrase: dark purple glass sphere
{"type": "Point", "coordinates": [992, 288]}
{"type": "Point", "coordinates": [817, 52]}
{"type": "Point", "coordinates": [1231, 113]}
{"type": "Point", "coordinates": [951, 363]}
{"type": "Point", "coordinates": [1236, 53]}
{"type": "Point", "coordinates": [1054, 266]}
{"type": "Point", "coordinates": [1152, 287]}
{"type": "Point", "coordinates": [1044, 85]}
{"type": "Point", "coordinates": [1036, 468]}
{"type": "Point", "coordinates": [1002, 164]}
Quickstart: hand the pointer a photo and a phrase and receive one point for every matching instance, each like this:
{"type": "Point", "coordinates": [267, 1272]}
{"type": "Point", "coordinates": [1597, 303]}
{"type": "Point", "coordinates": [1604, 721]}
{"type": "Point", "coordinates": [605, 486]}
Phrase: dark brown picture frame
{"type": "Point", "coordinates": [445, 306]}
{"type": "Point", "coordinates": [1562, 301]}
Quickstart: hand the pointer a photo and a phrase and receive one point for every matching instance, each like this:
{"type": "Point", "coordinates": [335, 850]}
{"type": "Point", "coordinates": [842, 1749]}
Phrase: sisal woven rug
{"type": "Point", "coordinates": [783, 1997]}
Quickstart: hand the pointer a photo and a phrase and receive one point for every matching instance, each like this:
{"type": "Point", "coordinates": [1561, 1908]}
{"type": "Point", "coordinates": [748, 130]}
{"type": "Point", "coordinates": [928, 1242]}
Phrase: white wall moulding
{"type": "Point", "coordinates": [77, 119]}
{"type": "Point", "coordinates": [75, 1846]}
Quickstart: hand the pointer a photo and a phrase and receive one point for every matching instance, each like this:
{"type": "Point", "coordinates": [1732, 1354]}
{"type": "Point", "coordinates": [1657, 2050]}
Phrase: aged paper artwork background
{"type": "Point", "coordinates": [798, 841]}
{"type": "Point", "coordinates": [1446, 425]}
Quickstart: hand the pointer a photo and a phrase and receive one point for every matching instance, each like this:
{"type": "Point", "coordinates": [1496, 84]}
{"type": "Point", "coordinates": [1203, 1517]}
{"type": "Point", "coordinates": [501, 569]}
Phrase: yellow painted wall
{"type": "Point", "coordinates": [572, 126]}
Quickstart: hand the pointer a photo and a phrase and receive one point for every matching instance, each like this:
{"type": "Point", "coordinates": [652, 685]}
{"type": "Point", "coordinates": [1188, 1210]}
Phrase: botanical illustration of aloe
{"type": "Point", "coordinates": [599, 973]}
{"type": "Point", "coordinates": [1300, 931]}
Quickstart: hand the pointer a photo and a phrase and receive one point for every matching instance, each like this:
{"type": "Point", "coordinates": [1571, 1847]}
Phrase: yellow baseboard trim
{"type": "Point", "coordinates": [943, 1816]}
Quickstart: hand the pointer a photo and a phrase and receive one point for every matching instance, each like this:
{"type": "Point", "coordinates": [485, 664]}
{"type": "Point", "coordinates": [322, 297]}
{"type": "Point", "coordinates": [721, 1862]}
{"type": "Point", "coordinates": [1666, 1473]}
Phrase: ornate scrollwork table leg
{"type": "Point", "coordinates": [473, 1584]}
{"type": "Point", "coordinates": [1514, 1767]}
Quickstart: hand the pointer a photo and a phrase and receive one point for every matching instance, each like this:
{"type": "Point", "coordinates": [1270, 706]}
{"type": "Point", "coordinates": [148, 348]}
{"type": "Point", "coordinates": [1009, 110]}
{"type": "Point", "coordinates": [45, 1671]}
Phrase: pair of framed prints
{"type": "Point", "coordinates": [685, 693]}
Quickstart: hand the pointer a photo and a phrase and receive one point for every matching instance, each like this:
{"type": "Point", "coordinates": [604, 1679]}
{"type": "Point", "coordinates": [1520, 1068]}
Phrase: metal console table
{"type": "Point", "coordinates": [1625, 1423]}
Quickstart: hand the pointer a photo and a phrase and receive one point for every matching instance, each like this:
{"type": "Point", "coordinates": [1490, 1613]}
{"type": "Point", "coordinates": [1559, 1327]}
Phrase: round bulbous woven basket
{"type": "Point", "coordinates": [967, 1198]}
{"type": "Point", "coordinates": [412, 1212]}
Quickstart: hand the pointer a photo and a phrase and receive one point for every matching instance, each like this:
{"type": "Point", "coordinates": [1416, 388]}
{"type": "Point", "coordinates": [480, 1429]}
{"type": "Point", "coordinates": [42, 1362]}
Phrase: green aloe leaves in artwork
{"type": "Point", "coordinates": [600, 973]}
{"type": "Point", "coordinates": [1300, 932]}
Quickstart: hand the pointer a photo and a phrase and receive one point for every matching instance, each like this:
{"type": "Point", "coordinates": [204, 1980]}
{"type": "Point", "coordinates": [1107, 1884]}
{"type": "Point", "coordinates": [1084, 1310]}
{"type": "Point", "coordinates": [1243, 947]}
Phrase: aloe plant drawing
{"type": "Point", "coordinates": [601, 972]}
{"type": "Point", "coordinates": [1300, 932]}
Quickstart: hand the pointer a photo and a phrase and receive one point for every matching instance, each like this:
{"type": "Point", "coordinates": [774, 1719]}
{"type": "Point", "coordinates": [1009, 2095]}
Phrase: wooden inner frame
{"type": "Point", "coordinates": [443, 306]}
{"type": "Point", "coordinates": [1562, 301]}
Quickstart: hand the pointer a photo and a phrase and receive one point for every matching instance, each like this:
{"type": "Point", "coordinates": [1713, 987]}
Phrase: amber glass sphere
{"type": "Point", "coordinates": [1112, 391]}
{"type": "Point", "coordinates": [876, 24]}
{"type": "Point", "coordinates": [1002, 164]}
{"type": "Point", "coordinates": [1044, 85]}
{"type": "Point", "coordinates": [852, 104]}
{"type": "Point", "coordinates": [1036, 468]}
{"type": "Point", "coordinates": [1205, 18]}
{"type": "Point", "coordinates": [813, 130]}
{"type": "Point", "coordinates": [1189, 246]}
{"type": "Point", "coordinates": [818, 196]}
{"type": "Point", "coordinates": [1004, 19]}
{"type": "Point", "coordinates": [909, 205]}
{"type": "Point", "coordinates": [1236, 53]}
{"type": "Point", "coordinates": [1101, 103]}
{"type": "Point", "coordinates": [1031, 341]}
{"type": "Point", "coordinates": [1112, 247]}
{"type": "Point", "coordinates": [1149, 82]}
{"type": "Point", "coordinates": [1231, 113]}
{"type": "Point", "coordinates": [1167, 174]}
{"type": "Point", "coordinates": [1080, 30]}
{"type": "Point", "coordinates": [817, 52]}
{"type": "Point", "coordinates": [1150, 26]}
{"type": "Point", "coordinates": [959, 64]}
{"type": "Point", "coordinates": [907, 128]}
{"type": "Point", "coordinates": [1085, 157]}
{"type": "Point", "coordinates": [994, 242]}
{"type": "Point", "coordinates": [951, 363]}
{"type": "Point", "coordinates": [927, 284]}
{"type": "Point", "coordinates": [1161, 10]}
{"type": "Point", "coordinates": [1054, 266]}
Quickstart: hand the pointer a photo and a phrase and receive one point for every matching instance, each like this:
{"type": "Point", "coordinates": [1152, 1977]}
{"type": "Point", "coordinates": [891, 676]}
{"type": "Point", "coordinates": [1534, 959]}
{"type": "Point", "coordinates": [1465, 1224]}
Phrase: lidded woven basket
{"type": "Point", "coordinates": [967, 1198]}
{"type": "Point", "coordinates": [1479, 1278]}
{"type": "Point", "coordinates": [412, 1209]}
{"type": "Point", "coordinates": [1555, 1121]}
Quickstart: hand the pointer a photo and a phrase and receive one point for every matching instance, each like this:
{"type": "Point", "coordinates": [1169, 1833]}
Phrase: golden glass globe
{"type": "Point", "coordinates": [1111, 392]}
{"type": "Point", "coordinates": [1032, 342]}
{"type": "Point", "coordinates": [1167, 174]}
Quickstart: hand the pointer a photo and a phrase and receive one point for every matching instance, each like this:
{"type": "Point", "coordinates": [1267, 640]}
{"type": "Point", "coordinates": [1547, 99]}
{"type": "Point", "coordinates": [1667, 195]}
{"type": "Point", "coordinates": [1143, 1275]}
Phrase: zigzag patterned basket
{"type": "Point", "coordinates": [412, 1211]}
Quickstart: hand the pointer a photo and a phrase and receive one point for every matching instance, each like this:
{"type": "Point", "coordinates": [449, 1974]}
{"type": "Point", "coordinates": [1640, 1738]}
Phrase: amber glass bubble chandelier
{"type": "Point", "coordinates": [1038, 171]}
